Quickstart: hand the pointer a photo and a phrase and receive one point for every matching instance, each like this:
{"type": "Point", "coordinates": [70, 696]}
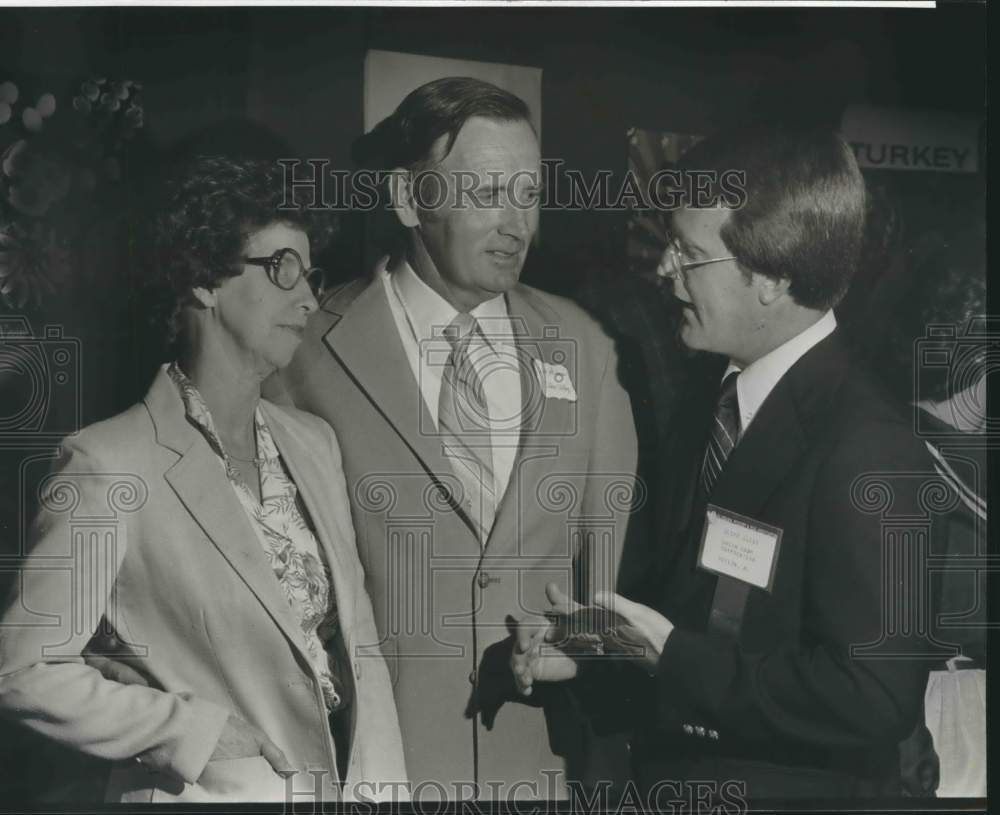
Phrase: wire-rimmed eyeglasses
{"type": "Point", "coordinates": [673, 263]}
{"type": "Point", "coordinates": [285, 268]}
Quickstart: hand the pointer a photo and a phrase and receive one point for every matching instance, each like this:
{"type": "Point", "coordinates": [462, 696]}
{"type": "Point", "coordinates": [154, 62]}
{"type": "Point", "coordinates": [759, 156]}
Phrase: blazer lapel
{"type": "Point", "coordinates": [682, 453]}
{"type": "Point", "coordinates": [791, 415]}
{"type": "Point", "coordinates": [366, 342]}
{"type": "Point", "coordinates": [538, 344]}
{"type": "Point", "coordinates": [544, 421]}
{"type": "Point", "coordinates": [330, 513]}
{"type": "Point", "coordinates": [203, 488]}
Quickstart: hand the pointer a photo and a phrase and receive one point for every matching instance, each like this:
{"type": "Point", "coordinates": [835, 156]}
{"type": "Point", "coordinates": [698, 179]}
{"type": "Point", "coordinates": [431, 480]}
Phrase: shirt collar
{"type": "Point", "coordinates": [197, 412]}
{"type": "Point", "coordinates": [428, 312]}
{"type": "Point", "coordinates": [758, 379]}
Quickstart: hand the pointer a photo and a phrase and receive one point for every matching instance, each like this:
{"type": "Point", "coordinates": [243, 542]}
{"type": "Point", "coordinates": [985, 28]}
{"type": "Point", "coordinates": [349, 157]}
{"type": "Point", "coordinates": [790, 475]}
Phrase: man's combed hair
{"type": "Point", "coordinates": [209, 208]}
{"type": "Point", "coordinates": [804, 213]}
{"type": "Point", "coordinates": [406, 138]}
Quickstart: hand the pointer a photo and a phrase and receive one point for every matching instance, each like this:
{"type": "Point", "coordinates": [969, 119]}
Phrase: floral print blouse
{"type": "Point", "coordinates": [289, 544]}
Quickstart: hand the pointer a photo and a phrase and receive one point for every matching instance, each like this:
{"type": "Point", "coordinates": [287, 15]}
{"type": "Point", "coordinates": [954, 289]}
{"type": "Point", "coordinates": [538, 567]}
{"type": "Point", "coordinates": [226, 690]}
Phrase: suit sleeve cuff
{"type": "Point", "coordinates": [695, 671]}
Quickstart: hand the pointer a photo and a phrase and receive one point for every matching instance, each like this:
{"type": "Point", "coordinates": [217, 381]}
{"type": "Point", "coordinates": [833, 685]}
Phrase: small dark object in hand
{"type": "Point", "coordinates": [590, 630]}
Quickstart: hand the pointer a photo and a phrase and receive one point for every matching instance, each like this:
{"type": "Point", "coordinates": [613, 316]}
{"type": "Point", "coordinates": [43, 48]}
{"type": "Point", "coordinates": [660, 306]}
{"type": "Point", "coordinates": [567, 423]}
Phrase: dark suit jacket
{"type": "Point", "coordinates": [826, 675]}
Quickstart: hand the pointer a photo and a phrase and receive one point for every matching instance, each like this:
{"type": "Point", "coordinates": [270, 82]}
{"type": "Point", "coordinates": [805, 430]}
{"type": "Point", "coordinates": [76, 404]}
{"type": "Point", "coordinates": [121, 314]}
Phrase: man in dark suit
{"type": "Point", "coordinates": [772, 652]}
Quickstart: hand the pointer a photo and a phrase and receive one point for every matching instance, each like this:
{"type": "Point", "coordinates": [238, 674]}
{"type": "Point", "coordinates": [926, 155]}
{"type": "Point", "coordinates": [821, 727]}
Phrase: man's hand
{"type": "Point", "coordinates": [533, 658]}
{"type": "Point", "coordinates": [646, 632]}
{"type": "Point", "coordinates": [239, 739]}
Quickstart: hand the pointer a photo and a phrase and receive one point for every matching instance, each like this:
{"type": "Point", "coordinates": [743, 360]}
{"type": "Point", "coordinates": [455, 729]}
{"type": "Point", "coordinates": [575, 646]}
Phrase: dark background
{"type": "Point", "coordinates": [297, 73]}
{"type": "Point", "coordinates": [217, 77]}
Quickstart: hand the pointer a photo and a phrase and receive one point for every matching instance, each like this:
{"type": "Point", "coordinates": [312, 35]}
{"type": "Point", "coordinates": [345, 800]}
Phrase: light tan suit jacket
{"type": "Point", "coordinates": [140, 528]}
{"type": "Point", "coordinates": [441, 599]}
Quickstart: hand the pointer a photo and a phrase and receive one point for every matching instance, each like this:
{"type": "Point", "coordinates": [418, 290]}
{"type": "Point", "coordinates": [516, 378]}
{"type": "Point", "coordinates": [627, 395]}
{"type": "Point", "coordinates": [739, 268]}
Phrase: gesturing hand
{"type": "Point", "coordinates": [647, 630]}
{"type": "Point", "coordinates": [532, 658]}
{"type": "Point", "coordinates": [239, 739]}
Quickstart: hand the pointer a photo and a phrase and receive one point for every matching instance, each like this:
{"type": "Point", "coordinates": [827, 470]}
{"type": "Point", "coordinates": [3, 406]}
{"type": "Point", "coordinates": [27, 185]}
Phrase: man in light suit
{"type": "Point", "coordinates": [488, 446]}
{"type": "Point", "coordinates": [775, 655]}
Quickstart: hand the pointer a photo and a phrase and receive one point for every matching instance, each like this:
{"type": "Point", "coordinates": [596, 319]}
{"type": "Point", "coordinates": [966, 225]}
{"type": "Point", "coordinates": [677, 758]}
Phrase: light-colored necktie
{"type": "Point", "coordinates": [464, 424]}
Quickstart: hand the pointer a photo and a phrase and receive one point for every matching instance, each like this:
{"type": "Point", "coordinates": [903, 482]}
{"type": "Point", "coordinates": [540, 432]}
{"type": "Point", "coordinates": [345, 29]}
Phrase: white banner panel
{"type": "Point", "coordinates": [390, 76]}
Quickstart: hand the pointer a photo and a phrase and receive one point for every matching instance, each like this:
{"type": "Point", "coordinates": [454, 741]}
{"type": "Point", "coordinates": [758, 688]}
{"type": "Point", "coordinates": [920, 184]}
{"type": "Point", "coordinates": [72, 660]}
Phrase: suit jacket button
{"type": "Point", "coordinates": [484, 579]}
{"type": "Point", "coordinates": [357, 670]}
{"type": "Point", "coordinates": [472, 678]}
{"type": "Point", "coordinates": [700, 731]}
{"type": "Point", "coordinates": [688, 729]}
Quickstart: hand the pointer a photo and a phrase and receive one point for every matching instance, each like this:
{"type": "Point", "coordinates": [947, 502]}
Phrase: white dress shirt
{"type": "Point", "coordinates": [421, 314]}
{"type": "Point", "coordinates": [758, 379]}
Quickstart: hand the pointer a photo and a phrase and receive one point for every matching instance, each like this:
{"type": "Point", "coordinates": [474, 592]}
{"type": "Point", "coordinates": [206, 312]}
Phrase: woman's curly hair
{"type": "Point", "coordinates": [210, 207]}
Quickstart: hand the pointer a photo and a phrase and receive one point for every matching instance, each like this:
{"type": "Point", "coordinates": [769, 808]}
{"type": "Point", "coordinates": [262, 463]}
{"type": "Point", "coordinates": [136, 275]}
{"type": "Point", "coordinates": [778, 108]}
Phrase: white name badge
{"type": "Point", "coordinates": [739, 547]}
{"type": "Point", "coordinates": [555, 380]}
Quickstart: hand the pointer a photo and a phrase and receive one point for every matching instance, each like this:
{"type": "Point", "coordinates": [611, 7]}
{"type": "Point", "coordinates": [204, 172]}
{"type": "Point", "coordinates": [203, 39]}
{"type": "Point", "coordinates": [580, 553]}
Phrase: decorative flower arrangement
{"type": "Point", "coordinates": [53, 158]}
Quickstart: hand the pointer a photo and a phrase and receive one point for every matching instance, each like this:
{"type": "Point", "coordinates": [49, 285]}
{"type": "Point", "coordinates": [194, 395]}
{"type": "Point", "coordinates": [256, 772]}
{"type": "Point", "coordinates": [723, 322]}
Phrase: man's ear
{"type": "Point", "coordinates": [206, 298]}
{"type": "Point", "coordinates": [770, 289]}
{"type": "Point", "coordinates": [402, 197]}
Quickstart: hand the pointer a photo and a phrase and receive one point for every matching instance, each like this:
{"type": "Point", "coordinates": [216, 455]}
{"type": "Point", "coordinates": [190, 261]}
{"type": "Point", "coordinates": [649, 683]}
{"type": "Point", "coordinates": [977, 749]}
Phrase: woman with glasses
{"type": "Point", "coordinates": [207, 533]}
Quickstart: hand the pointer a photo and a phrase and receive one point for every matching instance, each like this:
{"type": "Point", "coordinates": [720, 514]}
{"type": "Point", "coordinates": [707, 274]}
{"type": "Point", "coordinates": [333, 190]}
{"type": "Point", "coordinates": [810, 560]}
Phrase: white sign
{"type": "Point", "coordinates": [390, 76]}
{"type": "Point", "coordinates": [892, 139]}
{"type": "Point", "coordinates": [739, 547]}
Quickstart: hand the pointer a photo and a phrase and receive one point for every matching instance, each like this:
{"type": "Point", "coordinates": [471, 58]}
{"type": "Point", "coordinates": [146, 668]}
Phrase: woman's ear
{"type": "Point", "coordinates": [402, 197]}
{"type": "Point", "coordinates": [206, 298]}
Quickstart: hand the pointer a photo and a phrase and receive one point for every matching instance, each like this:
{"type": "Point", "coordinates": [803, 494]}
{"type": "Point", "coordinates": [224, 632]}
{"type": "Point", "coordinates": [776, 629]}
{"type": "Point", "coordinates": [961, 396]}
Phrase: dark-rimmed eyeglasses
{"type": "Point", "coordinates": [285, 268]}
{"type": "Point", "coordinates": [674, 262]}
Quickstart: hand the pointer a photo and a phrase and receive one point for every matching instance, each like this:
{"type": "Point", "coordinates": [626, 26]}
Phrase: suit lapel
{"type": "Point", "coordinates": [682, 453]}
{"type": "Point", "coordinates": [544, 421]}
{"type": "Point", "coordinates": [366, 342]}
{"type": "Point", "coordinates": [536, 335]}
{"type": "Point", "coordinates": [792, 418]}
{"type": "Point", "coordinates": [201, 485]}
{"type": "Point", "coordinates": [330, 514]}
{"type": "Point", "coordinates": [791, 415]}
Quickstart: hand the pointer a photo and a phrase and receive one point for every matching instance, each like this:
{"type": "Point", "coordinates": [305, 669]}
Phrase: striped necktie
{"type": "Point", "coordinates": [464, 424]}
{"type": "Point", "coordinates": [724, 434]}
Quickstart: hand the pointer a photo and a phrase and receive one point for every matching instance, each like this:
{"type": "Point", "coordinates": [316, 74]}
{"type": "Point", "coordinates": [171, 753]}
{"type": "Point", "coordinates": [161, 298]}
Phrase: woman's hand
{"type": "Point", "coordinates": [239, 739]}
